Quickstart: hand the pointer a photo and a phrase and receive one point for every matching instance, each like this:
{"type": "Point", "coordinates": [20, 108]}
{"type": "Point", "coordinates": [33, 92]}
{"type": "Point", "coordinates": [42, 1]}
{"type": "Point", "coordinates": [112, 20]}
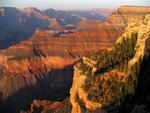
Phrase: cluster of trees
{"type": "Point", "coordinates": [113, 90]}
{"type": "Point", "coordinates": [119, 56]}
{"type": "Point", "coordinates": [106, 92]}
{"type": "Point", "coordinates": [134, 90]}
{"type": "Point", "coordinates": [84, 69]}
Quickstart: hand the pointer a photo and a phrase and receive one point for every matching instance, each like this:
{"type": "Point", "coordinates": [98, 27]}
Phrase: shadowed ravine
{"type": "Point", "coordinates": [23, 89]}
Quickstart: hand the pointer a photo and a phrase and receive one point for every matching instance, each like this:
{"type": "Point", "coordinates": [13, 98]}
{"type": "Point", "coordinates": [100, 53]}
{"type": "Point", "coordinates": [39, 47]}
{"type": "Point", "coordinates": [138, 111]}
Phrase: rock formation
{"type": "Point", "coordinates": [109, 82]}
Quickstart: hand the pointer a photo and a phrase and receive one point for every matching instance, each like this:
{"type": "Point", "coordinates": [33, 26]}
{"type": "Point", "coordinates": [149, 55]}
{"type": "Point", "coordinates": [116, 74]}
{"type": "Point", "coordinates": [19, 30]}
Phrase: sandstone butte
{"type": "Point", "coordinates": [42, 67]}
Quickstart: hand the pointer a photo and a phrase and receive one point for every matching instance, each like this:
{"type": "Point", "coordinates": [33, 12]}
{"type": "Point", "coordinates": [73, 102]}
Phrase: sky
{"type": "Point", "coordinates": [71, 4]}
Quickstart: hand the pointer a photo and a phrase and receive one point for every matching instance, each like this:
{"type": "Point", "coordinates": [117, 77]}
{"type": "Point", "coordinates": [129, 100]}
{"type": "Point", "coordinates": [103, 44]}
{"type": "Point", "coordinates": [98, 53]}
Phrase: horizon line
{"type": "Point", "coordinates": [115, 7]}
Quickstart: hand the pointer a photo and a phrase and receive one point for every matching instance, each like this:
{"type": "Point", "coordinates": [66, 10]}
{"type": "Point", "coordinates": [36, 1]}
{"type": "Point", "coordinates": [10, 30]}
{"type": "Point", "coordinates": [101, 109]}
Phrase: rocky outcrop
{"type": "Point", "coordinates": [42, 106]}
{"type": "Point", "coordinates": [118, 20]}
{"type": "Point", "coordinates": [45, 106]}
{"type": "Point", "coordinates": [98, 87]}
{"type": "Point", "coordinates": [125, 13]}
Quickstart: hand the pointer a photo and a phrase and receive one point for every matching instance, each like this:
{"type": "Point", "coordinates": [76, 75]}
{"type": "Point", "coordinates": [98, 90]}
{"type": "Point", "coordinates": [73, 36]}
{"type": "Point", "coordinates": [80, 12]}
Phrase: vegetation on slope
{"type": "Point", "coordinates": [116, 58]}
{"type": "Point", "coordinates": [108, 84]}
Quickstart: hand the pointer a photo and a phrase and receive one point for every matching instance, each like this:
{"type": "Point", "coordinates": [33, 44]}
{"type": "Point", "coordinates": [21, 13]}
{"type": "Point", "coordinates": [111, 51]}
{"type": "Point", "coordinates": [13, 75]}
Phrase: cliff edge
{"type": "Point", "coordinates": [111, 81]}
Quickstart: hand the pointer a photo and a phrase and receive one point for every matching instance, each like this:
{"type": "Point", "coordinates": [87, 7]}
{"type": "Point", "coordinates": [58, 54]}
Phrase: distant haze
{"type": "Point", "coordinates": [72, 4]}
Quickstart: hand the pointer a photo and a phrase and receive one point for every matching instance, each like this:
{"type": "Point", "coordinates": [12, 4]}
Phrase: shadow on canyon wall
{"type": "Point", "coordinates": [18, 92]}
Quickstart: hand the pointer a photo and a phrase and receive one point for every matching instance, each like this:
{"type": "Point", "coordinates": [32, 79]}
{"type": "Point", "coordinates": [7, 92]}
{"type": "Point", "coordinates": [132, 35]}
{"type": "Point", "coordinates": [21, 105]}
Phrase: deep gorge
{"type": "Point", "coordinates": [17, 93]}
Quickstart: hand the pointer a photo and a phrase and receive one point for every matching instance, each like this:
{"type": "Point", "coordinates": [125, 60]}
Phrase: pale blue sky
{"type": "Point", "coordinates": [72, 4]}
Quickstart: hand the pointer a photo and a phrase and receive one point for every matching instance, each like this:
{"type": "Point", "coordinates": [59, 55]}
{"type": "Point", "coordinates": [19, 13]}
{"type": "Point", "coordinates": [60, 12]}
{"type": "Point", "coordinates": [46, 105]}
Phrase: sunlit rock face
{"type": "Point", "coordinates": [125, 13]}
{"type": "Point", "coordinates": [99, 85]}
{"type": "Point", "coordinates": [117, 21]}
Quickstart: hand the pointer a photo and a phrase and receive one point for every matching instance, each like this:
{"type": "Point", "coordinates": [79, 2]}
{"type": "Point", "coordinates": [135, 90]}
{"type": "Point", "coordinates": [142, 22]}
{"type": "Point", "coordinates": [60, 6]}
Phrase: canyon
{"type": "Point", "coordinates": [42, 66]}
{"type": "Point", "coordinates": [20, 24]}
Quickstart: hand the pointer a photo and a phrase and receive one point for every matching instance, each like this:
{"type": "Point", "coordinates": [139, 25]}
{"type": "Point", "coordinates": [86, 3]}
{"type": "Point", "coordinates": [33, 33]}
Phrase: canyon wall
{"type": "Point", "coordinates": [42, 67]}
{"type": "Point", "coordinates": [99, 85]}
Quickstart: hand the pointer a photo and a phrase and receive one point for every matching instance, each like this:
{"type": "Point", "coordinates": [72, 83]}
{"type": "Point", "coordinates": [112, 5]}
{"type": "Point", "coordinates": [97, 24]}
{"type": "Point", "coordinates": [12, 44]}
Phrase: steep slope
{"type": "Point", "coordinates": [125, 13]}
{"type": "Point", "coordinates": [109, 81]}
{"type": "Point", "coordinates": [118, 20]}
{"type": "Point", "coordinates": [23, 24]}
